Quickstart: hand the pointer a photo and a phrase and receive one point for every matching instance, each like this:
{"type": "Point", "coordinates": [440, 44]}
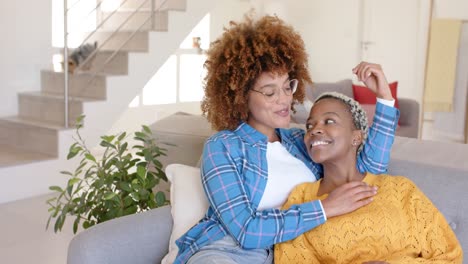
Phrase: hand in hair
{"type": "Point", "coordinates": [373, 77]}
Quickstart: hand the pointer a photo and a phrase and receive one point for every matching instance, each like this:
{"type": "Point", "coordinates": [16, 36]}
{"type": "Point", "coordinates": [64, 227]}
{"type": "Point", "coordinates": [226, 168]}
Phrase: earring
{"type": "Point", "coordinates": [354, 143]}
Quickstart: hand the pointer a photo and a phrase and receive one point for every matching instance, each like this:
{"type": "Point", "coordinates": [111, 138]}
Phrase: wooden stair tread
{"type": "Point", "coordinates": [10, 156]}
{"type": "Point", "coordinates": [60, 96]}
{"type": "Point", "coordinates": [82, 72]}
{"type": "Point", "coordinates": [31, 122]}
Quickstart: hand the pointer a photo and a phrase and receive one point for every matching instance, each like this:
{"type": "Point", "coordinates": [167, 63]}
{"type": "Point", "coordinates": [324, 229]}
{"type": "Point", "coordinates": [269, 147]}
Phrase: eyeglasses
{"type": "Point", "coordinates": [272, 92]}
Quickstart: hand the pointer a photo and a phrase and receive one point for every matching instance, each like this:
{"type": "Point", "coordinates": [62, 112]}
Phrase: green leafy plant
{"type": "Point", "coordinates": [119, 183]}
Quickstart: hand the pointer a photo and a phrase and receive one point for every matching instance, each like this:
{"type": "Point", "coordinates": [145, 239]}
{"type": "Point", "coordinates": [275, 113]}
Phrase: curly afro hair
{"type": "Point", "coordinates": [239, 56]}
{"type": "Point", "coordinates": [357, 113]}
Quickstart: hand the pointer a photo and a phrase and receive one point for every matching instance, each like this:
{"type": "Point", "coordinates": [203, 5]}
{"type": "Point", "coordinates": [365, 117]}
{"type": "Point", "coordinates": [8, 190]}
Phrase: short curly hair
{"type": "Point", "coordinates": [236, 59]}
{"type": "Point", "coordinates": [358, 114]}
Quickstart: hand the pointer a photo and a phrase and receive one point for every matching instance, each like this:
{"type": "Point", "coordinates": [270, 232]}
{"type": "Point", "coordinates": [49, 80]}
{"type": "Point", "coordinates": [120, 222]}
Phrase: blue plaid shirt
{"type": "Point", "coordinates": [234, 175]}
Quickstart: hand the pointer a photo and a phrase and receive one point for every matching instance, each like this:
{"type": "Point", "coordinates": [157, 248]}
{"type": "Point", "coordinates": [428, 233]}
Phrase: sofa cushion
{"type": "Point", "coordinates": [316, 89]}
{"type": "Point", "coordinates": [188, 203]}
{"type": "Point", "coordinates": [370, 111]}
{"type": "Point", "coordinates": [363, 95]}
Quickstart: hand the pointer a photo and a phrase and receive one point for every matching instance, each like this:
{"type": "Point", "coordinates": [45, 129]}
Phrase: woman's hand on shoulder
{"type": "Point", "coordinates": [373, 77]}
{"type": "Point", "coordinates": [347, 198]}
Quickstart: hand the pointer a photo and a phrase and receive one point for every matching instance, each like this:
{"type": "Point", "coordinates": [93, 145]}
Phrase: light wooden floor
{"type": "Point", "coordinates": [23, 238]}
{"type": "Point", "coordinates": [428, 133]}
{"type": "Point", "coordinates": [11, 157]}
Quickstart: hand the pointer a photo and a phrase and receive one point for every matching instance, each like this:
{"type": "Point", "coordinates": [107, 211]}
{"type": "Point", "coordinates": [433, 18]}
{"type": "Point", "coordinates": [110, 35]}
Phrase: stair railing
{"type": "Point", "coordinates": [100, 45]}
{"type": "Point", "coordinates": [65, 61]}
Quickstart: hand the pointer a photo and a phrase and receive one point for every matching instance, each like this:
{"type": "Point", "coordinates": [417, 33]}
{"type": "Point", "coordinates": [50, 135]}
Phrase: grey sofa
{"type": "Point", "coordinates": [439, 169]}
{"type": "Point", "coordinates": [409, 108]}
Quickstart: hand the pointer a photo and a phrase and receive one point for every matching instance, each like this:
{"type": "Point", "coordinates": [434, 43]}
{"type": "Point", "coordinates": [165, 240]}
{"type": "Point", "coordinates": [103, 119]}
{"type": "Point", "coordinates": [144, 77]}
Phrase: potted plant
{"type": "Point", "coordinates": [119, 183]}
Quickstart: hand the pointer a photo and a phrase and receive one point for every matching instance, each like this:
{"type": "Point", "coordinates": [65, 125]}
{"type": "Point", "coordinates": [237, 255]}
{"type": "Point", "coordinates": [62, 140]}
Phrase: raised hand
{"type": "Point", "coordinates": [373, 77]}
{"type": "Point", "coordinates": [347, 198]}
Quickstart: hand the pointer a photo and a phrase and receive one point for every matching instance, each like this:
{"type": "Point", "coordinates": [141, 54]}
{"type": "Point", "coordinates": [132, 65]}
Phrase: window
{"type": "Point", "coordinates": [161, 89]}
{"type": "Point", "coordinates": [191, 77]}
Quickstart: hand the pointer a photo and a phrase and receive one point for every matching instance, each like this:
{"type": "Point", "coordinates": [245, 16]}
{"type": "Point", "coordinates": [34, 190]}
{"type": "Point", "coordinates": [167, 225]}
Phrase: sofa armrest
{"type": "Point", "coordinates": [409, 118]}
{"type": "Point", "coordinates": [409, 111]}
{"type": "Point", "coordinates": [440, 170]}
{"type": "Point", "coordinates": [139, 238]}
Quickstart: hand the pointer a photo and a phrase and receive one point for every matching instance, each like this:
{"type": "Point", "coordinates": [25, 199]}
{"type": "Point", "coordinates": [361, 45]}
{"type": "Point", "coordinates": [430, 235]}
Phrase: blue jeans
{"type": "Point", "coordinates": [226, 251]}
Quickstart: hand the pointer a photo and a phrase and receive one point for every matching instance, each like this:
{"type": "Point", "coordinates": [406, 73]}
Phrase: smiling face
{"type": "Point", "coordinates": [265, 116]}
{"type": "Point", "coordinates": [331, 134]}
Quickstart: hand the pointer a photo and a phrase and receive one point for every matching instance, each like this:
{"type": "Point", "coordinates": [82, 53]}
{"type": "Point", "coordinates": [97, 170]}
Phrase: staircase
{"type": "Point", "coordinates": [34, 144]}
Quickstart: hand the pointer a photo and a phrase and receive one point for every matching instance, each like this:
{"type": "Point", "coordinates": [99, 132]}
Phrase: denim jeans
{"type": "Point", "coordinates": [226, 251]}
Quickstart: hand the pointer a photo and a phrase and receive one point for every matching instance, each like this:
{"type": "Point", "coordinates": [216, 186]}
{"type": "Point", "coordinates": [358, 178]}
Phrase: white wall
{"type": "Point", "coordinates": [331, 33]}
{"type": "Point", "coordinates": [451, 125]}
{"type": "Point", "coordinates": [230, 10]}
{"type": "Point", "coordinates": [330, 30]}
{"type": "Point", "coordinates": [25, 29]}
{"type": "Point", "coordinates": [457, 9]}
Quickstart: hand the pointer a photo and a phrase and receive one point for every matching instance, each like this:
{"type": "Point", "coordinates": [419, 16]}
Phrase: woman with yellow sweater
{"type": "Point", "coordinates": [401, 225]}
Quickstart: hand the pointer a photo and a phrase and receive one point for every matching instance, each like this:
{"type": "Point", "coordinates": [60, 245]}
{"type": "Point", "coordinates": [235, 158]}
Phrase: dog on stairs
{"type": "Point", "coordinates": [79, 56]}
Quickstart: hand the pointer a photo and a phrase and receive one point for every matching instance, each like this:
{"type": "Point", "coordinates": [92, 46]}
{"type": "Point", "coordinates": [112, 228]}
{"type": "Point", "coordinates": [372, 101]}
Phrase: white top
{"type": "Point", "coordinates": [284, 173]}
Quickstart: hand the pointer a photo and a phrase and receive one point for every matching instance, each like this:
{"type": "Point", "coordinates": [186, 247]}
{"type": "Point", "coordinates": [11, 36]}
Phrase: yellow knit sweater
{"type": "Point", "coordinates": [401, 225]}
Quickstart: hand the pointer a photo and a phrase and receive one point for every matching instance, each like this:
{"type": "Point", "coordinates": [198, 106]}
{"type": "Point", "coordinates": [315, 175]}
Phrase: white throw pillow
{"type": "Point", "coordinates": [188, 202]}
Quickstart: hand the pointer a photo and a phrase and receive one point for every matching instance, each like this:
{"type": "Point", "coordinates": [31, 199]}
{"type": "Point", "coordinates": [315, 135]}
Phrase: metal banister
{"type": "Point", "coordinates": [98, 27]}
{"type": "Point", "coordinates": [109, 59]}
{"type": "Point", "coordinates": [103, 22]}
{"type": "Point", "coordinates": [65, 60]}
{"type": "Point", "coordinates": [113, 34]}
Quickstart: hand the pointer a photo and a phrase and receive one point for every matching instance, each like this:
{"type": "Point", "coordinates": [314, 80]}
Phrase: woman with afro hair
{"type": "Point", "coordinates": [256, 72]}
